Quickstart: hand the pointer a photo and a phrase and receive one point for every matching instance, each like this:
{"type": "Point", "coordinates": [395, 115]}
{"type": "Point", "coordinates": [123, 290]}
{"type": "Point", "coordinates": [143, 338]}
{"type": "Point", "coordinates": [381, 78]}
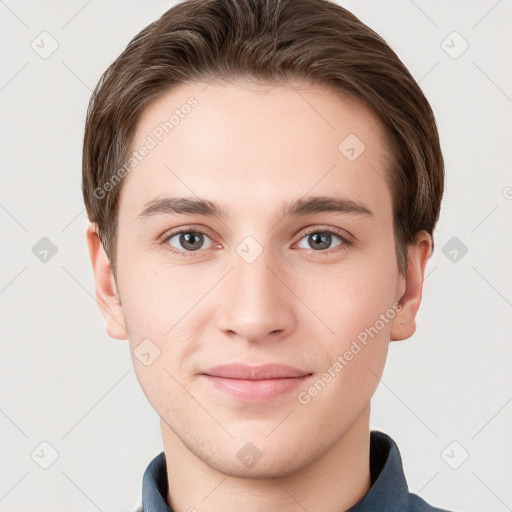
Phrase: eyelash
{"type": "Point", "coordinates": [345, 242]}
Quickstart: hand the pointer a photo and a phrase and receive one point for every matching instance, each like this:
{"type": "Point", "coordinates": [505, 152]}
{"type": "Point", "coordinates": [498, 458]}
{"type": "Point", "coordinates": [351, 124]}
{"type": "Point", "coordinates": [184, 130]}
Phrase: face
{"type": "Point", "coordinates": [289, 260]}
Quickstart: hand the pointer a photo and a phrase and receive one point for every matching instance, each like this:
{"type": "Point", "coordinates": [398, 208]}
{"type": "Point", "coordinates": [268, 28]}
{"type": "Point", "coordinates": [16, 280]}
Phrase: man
{"type": "Point", "coordinates": [263, 179]}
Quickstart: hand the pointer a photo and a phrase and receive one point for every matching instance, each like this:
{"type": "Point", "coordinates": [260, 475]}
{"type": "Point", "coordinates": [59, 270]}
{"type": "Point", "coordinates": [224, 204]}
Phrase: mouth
{"type": "Point", "coordinates": [255, 383]}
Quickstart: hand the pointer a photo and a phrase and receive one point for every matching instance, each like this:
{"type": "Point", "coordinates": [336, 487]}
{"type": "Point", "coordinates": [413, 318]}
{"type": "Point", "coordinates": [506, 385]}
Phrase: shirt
{"type": "Point", "coordinates": [388, 491]}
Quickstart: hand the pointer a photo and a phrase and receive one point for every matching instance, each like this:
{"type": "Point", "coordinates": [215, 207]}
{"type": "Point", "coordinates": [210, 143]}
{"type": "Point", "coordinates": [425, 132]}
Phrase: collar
{"type": "Point", "coordinates": [388, 492]}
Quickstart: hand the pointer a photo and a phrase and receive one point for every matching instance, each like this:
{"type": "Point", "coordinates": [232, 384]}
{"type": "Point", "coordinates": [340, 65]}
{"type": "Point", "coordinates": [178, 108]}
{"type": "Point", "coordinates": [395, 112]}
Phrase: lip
{"type": "Point", "coordinates": [255, 383]}
{"type": "Point", "coordinates": [248, 372]}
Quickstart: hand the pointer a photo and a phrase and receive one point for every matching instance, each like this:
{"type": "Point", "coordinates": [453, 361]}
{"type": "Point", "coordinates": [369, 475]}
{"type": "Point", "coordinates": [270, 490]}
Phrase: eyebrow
{"type": "Point", "coordinates": [299, 207]}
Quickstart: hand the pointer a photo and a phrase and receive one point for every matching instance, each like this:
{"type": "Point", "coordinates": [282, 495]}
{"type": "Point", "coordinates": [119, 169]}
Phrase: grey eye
{"type": "Point", "coordinates": [320, 240]}
{"type": "Point", "coordinates": [189, 240]}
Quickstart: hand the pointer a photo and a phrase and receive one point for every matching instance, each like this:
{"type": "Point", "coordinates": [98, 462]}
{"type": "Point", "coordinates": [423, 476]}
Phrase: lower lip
{"type": "Point", "coordinates": [256, 390]}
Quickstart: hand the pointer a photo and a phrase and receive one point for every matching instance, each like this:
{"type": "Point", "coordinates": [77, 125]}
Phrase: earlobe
{"type": "Point", "coordinates": [404, 323]}
{"type": "Point", "coordinates": [107, 294]}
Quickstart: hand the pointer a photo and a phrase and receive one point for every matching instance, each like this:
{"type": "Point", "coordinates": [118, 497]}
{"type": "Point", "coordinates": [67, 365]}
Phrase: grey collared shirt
{"type": "Point", "coordinates": [388, 492]}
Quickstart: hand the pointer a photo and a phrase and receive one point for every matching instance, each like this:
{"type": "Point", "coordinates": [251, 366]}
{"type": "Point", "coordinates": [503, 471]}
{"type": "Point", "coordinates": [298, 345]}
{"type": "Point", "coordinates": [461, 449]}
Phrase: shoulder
{"type": "Point", "coordinates": [389, 484]}
{"type": "Point", "coordinates": [417, 504]}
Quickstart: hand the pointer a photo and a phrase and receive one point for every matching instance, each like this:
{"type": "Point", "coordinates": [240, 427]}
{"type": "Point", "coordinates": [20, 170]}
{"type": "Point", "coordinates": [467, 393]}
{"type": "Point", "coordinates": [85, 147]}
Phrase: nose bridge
{"type": "Point", "coordinates": [254, 302]}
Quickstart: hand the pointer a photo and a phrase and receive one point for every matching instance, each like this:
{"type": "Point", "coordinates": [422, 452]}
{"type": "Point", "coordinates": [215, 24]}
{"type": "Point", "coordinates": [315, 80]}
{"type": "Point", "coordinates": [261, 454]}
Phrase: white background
{"type": "Point", "coordinates": [64, 381]}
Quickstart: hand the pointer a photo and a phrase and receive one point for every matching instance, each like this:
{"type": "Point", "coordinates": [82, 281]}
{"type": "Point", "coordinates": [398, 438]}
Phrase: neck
{"type": "Point", "coordinates": [332, 483]}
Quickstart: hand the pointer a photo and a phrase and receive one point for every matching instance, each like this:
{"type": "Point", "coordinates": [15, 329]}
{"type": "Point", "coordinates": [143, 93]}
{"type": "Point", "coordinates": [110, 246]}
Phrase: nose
{"type": "Point", "coordinates": [255, 303]}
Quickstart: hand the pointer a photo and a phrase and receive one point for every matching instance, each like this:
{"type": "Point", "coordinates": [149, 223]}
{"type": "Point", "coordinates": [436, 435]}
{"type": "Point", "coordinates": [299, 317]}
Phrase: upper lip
{"type": "Point", "coordinates": [248, 372]}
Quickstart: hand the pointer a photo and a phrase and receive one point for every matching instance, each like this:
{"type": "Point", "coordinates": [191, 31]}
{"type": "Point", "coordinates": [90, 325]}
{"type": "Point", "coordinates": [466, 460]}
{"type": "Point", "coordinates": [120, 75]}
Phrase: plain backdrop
{"type": "Point", "coordinates": [68, 394]}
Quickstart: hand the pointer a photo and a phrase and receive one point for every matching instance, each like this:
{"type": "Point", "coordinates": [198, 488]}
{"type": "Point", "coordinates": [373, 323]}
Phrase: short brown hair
{"type": "Point", "coordinates": [274, 41]}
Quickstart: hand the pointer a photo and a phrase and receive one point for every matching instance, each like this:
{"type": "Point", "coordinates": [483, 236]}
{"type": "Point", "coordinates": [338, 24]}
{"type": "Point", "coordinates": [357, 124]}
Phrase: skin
{"type": "Point", "coordinates": [249, 148]}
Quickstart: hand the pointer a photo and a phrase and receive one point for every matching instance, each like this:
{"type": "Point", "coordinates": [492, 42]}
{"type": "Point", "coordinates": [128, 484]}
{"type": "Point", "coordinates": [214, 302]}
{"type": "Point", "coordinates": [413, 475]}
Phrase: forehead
{"type": "Point", "coordinates": [264, 140]}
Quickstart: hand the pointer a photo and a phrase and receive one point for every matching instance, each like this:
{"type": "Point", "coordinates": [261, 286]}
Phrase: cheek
{"type": "Point", "coordinates": [351, 302]}
{"type": "Point", "coordinates": [160, 311]}
{"type": "Point", "coordinates": [154, 298]}
{"type": "Point", "coordinates": [354, 357]}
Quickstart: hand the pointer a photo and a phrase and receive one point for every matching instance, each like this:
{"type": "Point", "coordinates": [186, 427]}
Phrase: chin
{"type": "Point", "coordinates": [275, 465]}
{"type": "Point", "coordinates": [258, 459]}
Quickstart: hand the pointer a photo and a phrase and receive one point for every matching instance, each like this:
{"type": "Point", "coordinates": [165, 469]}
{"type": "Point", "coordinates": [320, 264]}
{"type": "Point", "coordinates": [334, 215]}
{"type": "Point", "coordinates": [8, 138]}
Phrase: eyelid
{"type": "Point", "coordinates": [188, 227]}
{"type": "Point", "coordinates": [347, 237]}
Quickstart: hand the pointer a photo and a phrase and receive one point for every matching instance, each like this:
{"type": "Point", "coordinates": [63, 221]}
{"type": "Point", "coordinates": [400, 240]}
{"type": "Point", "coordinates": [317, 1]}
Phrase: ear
{"type": "Point", "coordinates": [410, 288]}
{"type": "Point", "coordinates": [107, 295]}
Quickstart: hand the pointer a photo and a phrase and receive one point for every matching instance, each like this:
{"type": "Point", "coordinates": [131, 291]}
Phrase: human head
{"type": "Point", "coordinates": [311, 40]}
{"type": "Point", "coordinates": [217, 307]}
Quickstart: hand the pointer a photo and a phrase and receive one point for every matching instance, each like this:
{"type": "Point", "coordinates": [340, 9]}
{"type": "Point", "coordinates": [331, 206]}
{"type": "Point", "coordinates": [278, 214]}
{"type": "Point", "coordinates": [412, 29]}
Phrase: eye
{"type": "Point", "coordinates": [188, 240]}
{"type": "Point", "coordinates": [322, 240]}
